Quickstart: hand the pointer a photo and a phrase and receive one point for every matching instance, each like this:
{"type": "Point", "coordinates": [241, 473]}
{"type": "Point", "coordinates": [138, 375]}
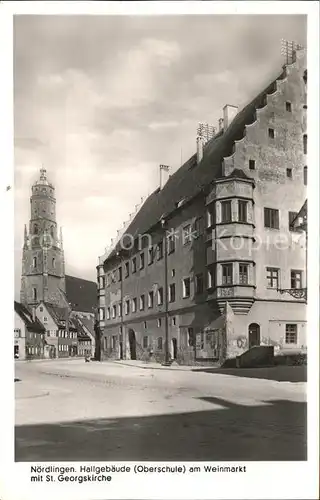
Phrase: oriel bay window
{"type": "Point", "coordinates": [227, 274]}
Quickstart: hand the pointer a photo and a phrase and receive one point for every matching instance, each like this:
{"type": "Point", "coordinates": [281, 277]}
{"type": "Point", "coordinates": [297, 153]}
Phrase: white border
{"type": "Point", "coordinates": [265, 480]}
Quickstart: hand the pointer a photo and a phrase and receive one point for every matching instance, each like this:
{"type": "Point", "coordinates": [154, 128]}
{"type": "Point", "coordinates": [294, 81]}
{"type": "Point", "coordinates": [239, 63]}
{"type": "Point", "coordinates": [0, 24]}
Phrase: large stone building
{"type": "Point", "coordinates": [216, 285]}
{"type": "Point", "coordinates": [56, 298]}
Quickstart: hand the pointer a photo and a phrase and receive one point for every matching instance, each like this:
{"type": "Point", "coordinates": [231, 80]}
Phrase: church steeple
{"type": "Point", "coordinates": [43, 174]}
{"type": "Point", "coordinates": [42, 259]}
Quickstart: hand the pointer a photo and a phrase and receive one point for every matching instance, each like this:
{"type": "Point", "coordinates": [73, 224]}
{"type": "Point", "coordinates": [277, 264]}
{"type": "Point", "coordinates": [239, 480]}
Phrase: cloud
{"type": "Point", "coordinates": [102, 111]}
{"type": "Point", "coordinates": [160, 125]}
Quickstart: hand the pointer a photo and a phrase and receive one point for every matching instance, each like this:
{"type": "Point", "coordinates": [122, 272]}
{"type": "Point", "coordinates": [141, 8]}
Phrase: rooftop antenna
{"type": "Point", "coordinates": [288, 50]}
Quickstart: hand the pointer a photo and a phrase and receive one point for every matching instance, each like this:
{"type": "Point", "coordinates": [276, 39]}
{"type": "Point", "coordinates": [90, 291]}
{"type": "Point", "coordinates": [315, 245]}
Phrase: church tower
{"type": "Point", "coordinates": [43, 273]}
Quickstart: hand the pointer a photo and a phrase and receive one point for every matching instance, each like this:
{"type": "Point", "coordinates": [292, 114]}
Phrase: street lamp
{"type": "Point", "coordinates": [166, 320]}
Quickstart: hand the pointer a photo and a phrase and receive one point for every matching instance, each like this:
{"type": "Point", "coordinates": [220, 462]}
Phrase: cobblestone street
{"type": "Point", "coordinates": [71, 410]}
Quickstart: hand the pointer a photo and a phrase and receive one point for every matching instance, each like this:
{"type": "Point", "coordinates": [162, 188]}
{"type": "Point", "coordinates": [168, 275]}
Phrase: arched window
{"type": "Point", "coordinates": [52, 231]}
{"type": "Point", "coordinates": [53, 263]}
{"type": "Point", "coordinates": [34, 262]}
{"type": "Point", "coordinates": [34, 293]}
{"type": "Point", "coordinates": [35, 229]}
{"type": "Point", "coordinates": [305, 141]}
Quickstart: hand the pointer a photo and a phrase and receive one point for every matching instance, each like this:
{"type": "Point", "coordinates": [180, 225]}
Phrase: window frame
{"type": "Point", "coordinates": [134, 265]}
{"type": "Point", "coordinates": [160, 296]}
{"type": "Point", "coordinates": [150, 299]}
{"type": "Point", "coordinates": [272, 278]}
{"type": "Point", "coordinates": [271, 133]}
{"type": "Point", "coordinates": [293, 278]}
{"type": "Point", "coordinates": [150, 255]}
{"type": "Point", "coordinates": [127, 269]}
{"type": "Point", "coordinates": [224, 204]}
{"type": "Point", "coordinates": [245, 281]}
{"type": "Point", "coordinates": [225, 278]}
{"type": "Point", "coordinates": [134, 304]}
{"type": "Point", "coordinates": [252, 164]}
{"type": "Point", "coordinates": [145, 343]}
{"type": "Point", "coordinates": [305, 175]}
{"type": "Point", "coordinates": [305, 144]}
{"type": "Point", "coordinates": [142, 302]}
{"type": "Point", "coordinates": [186, 291]}
{"type": "Point", "coordinates": [243, 206]}
{"type": "Point", "coordinates": [271, 215]}
{"type": "Point", "coordinates": [293, 334]}
{"type": "Point", "coordinates": [160, 250]}
{"type": "Point", "coordinates": [172, 293]}
{"type": "Point", "coordinates": [187, 234]}
{"type": "Point", "coordinates": [142, 261]}
{"type": "Point", "coordinates": [171, 242]}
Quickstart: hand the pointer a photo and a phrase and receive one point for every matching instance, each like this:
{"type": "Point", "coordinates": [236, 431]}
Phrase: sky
{"type": "Point", "coordinates": [102, 101]}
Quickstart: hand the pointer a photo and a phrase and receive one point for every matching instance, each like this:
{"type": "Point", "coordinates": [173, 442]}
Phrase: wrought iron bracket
{"type": "Point", "coordinates": [297, 293]}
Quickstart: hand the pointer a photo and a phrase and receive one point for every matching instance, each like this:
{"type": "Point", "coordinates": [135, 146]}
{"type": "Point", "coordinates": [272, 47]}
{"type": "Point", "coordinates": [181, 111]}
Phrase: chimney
{"type": "Point", "coordinates": [164, 175]}
{"type": "Point", "coordinates": [199, 149]}
{"type": "Point", "coordinates": [229, 112]}
{"type": "Point", "coordinates": [220, 124]}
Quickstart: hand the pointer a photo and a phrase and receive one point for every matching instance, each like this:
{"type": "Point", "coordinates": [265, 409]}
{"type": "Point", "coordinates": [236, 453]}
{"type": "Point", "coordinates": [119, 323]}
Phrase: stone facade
{"type": "Point", "coordinates": [240, 252]}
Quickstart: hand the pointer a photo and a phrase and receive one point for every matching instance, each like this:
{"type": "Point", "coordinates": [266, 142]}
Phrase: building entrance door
{"type": "Point", "coordinates": [254, 335]}
{"type": "Point", "coordinates": [174, 348]}
{"type": "Point", "coordinates": [132, 344]}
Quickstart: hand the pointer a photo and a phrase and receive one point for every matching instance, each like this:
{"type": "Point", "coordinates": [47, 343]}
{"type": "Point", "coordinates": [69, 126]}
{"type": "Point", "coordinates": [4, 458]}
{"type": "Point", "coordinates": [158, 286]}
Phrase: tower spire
{"type": "Point", "coordinates": [43, 174]}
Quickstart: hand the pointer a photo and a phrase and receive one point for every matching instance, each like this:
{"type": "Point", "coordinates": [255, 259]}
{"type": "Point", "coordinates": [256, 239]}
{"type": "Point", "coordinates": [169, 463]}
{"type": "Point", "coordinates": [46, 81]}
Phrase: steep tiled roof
{"type": "Point", "coordinates": [33, 325]}
{"type": "Point", "coordinates": [81, 294]}
{"type": "Point", "coordinates": [190, 179]}
{"type": "Point", "coordinates": [60, 314]}
{"type": "Point", "coordinates": [89, 324]}
{"type": "Point", "coordinates": [82, 334]}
